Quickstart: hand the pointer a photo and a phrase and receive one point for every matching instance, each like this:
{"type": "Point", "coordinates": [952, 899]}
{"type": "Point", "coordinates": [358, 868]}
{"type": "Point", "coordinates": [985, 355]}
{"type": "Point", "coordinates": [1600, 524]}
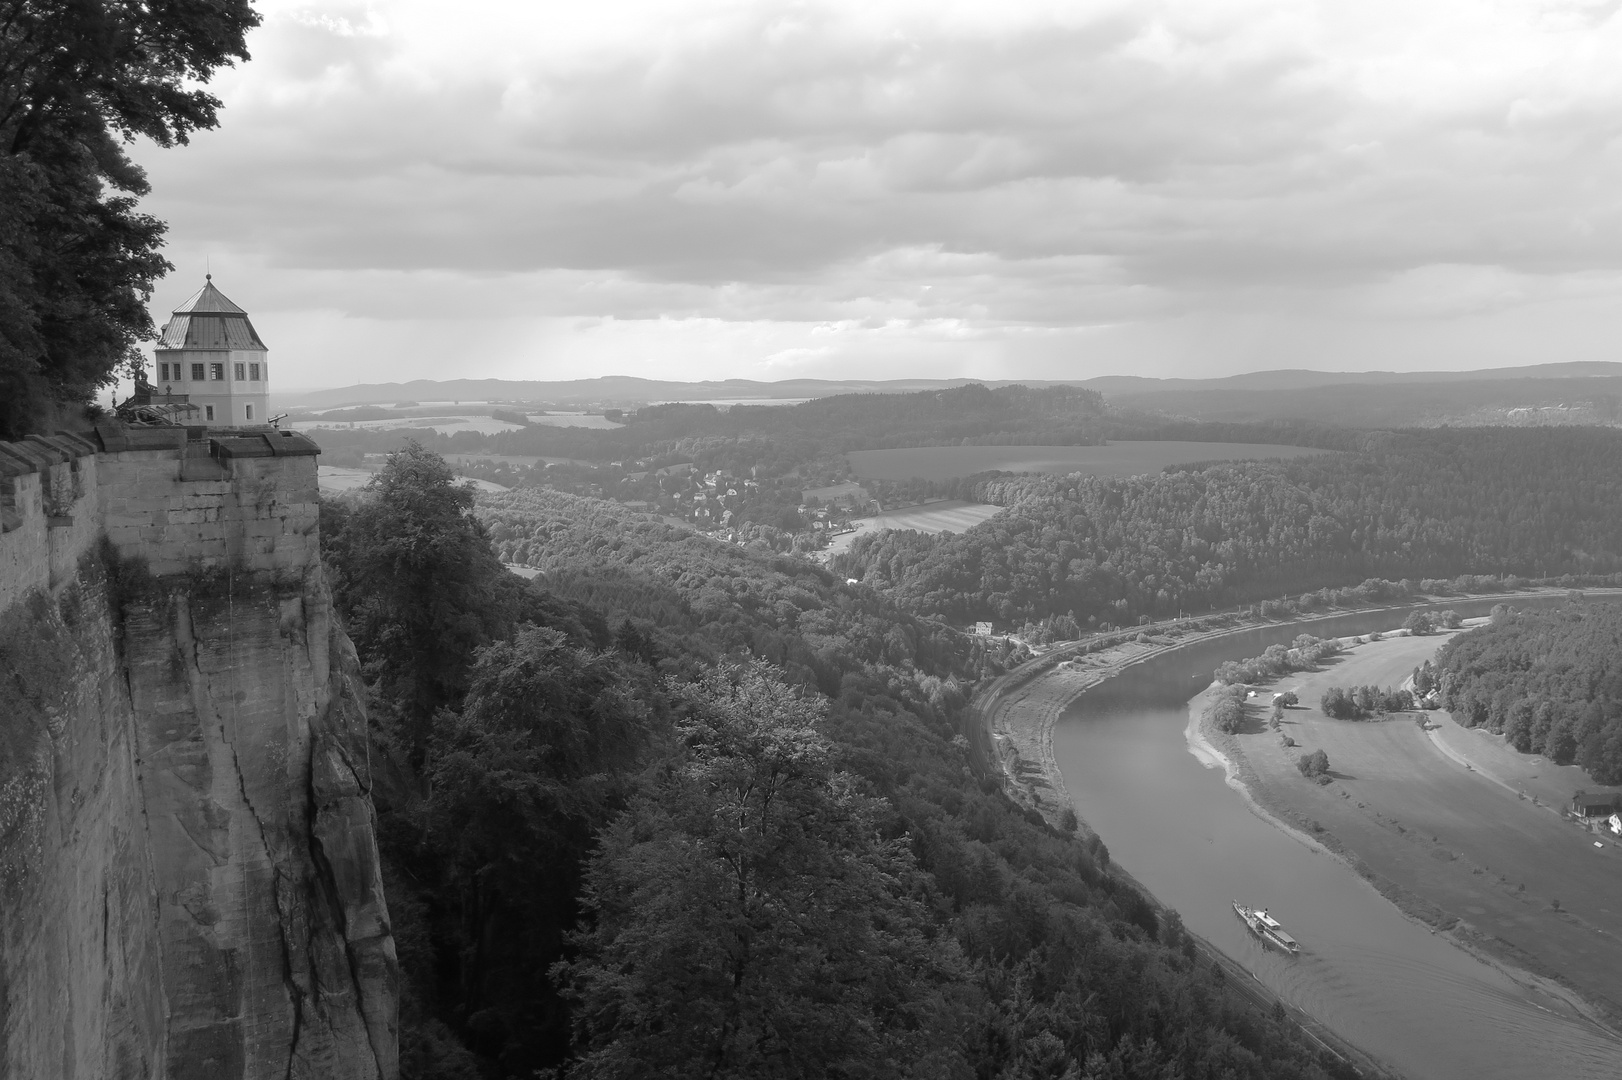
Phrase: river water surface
{"type": "Point", "coordinates": [1381, 980]}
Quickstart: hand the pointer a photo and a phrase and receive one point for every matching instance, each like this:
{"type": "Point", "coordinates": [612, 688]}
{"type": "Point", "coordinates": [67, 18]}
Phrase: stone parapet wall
{"type": "Point", "coordinates": [49, 514]}
{"type": "Point", "coordinates": [181, 500]}
{"type": "Point", "coordinates": [246, 502]}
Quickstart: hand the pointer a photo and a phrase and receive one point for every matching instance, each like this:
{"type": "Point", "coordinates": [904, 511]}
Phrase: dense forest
{"type": "Point", "coordinates": [1412, 505]}
{"type": "Point", "coordinates": [1550, 681]}
{"type": "Point", "coordinates": [684, 808]}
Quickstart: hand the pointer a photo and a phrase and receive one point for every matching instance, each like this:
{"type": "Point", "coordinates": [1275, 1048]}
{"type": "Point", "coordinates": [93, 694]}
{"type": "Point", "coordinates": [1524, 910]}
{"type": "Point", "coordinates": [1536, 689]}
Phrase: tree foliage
{"type": "Point", "coordinates": [1315, 766]}
{"type": "Point", "coordinates": [1305, 653]}
{"type": "Point", "coordinates": [77, 259]}
{"type": "Point", "coordinates": [1549, 681]}
{"type": "Point", "coordinates": [1226, 708]}
{"type": "Point", "coordinates": [749, 920]}
{"type": "Point", "coordinates": [1363, 702]}
{"type": "Point", "coordinates": [415, 575]}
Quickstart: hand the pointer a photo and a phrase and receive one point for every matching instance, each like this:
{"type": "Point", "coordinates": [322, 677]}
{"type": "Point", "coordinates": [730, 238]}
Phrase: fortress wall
{"type": "Point", "coordinates": [49, 513]}
{"type": "Point", "coordinates": [189, 883]}
{"type": "Point", "coordinates": [244, 503]}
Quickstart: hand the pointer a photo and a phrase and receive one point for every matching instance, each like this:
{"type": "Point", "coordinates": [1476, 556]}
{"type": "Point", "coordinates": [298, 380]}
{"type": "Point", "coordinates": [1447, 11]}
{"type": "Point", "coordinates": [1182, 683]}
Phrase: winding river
{"type": "Point", "coordinates": [1381, 980]}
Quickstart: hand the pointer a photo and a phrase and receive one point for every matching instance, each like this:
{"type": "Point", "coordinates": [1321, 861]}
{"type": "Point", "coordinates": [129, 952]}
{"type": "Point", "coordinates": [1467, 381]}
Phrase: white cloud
{"type": "Point", "coordinates": [1121, 186]}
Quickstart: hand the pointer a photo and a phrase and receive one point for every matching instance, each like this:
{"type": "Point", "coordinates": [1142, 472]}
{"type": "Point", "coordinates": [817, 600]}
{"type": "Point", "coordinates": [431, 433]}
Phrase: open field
{"type": "Point", "coordinates": [1114, 459]}
{"type": "Point", "coordinates": [836, 491]}
{"type": "Point", "coordinates": [342, 478]}
{"type": "Point", "coordinates": [723, 404]}
{"type": "Point", "coordinates": [445, 425]}
{"type": "Point", "coordinates": [336, 478]}
{"type": "Point", "coordinates": [519, 460]}
{"type": "Point", "coordinates": [948, 515]}
{"type": "Point", "coordinates": [1460, 838]}
{"type": "Point", "coordinates": [585, 420]}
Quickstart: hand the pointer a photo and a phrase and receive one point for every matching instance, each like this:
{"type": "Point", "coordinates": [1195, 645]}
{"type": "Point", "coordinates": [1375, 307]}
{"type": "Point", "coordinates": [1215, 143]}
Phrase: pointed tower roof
{"type": "Point", "coordinates": [209, 300]}
{"type": "Point", "coordinates": [209, 320]}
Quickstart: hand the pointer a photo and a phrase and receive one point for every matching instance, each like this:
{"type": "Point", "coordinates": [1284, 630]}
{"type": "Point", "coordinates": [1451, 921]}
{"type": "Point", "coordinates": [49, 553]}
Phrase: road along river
{"type": "Point", "coordinates": [1380, 979]}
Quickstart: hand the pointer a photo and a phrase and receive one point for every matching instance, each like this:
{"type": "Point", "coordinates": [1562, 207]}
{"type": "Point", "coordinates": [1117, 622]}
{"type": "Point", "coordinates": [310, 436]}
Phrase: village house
{"type": "Point", "coordinates": [1594, 807]}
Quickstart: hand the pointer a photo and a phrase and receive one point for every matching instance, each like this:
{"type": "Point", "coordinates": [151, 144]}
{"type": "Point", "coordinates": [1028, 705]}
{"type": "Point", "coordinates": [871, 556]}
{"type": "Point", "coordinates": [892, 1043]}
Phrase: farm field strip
{"type": "Point", "coordinates": [339, 478]}
{"type": "Point", "coordinates": [1111, 460]}
{"type": "Point", "coordinates": [949, 515]}
{"type": "Point", "coordinates": [953, 515]}
{"type": "Point", "coordinates": [580, 420]}
{"type": "Point", "coordinates": [445, 425]}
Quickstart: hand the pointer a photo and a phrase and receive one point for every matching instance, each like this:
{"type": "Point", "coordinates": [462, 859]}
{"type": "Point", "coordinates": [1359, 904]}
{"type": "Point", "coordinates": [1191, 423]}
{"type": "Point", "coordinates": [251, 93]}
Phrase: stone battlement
{"type": "Point", "coordinates": [180, 498]}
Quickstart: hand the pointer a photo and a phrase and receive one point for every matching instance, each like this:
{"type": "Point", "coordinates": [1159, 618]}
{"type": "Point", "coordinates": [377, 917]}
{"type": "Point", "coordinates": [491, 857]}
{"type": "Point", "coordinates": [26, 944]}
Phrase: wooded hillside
{"type": "Point", "coordinates": [639, 848]}
{"type": "Point", "coordinates": [1414, 505]}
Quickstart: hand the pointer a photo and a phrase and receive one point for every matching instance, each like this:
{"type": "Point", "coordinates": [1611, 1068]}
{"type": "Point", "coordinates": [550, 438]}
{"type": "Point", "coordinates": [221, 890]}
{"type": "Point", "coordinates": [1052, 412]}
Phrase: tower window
{"type": "Point", "coordinates": [197, 372]}
{"type": "Point", "coordinates": [163, 372]}
{"type": "Point", "coordinates": [208, 412]}
{"type": "Point", "coordinates": [253, 372]}
{"type": "Point", "coordinates": [240, 373]}
{"type": "Point", "coordinates": [250, 411]}
{"type": "Point", "coordinates": [216, 372]}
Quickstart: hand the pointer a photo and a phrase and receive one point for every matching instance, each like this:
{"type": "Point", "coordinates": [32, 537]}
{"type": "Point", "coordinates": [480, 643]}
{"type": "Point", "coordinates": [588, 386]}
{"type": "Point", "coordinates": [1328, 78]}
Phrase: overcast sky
{"type": "Point", "coordinates": [705, 189]}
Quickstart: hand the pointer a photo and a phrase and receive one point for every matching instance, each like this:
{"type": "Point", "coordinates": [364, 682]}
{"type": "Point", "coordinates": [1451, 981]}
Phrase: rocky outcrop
{"type": "Point", "coordinates": [189, 881]}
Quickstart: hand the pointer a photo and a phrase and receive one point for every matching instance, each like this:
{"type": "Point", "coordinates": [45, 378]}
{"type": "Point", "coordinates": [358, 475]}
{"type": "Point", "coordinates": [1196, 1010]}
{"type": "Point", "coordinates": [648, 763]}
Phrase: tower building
{"type": "Point", "coordinates": [209, 351]}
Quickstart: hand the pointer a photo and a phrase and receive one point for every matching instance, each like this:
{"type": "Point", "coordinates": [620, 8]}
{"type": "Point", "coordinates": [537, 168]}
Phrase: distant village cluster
{"type": "Point", "coordinates": [720, 500]}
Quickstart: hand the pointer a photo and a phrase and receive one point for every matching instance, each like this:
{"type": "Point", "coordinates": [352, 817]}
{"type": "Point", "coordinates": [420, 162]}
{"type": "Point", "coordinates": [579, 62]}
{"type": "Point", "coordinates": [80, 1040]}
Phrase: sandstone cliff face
{"type": "Point", "coordinates": [189, 883]}
{"type": "Point", "coordinates": [251, 747]}
{"type": "Point", "coordinates": [80, 991]}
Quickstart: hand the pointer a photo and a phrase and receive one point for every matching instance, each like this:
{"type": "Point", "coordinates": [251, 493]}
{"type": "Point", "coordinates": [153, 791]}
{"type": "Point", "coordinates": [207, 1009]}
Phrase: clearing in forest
{"type": "Point", "coordinates": [948, 515]}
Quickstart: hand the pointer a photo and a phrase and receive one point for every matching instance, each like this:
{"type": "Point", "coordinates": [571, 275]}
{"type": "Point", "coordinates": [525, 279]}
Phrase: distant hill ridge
{"type": "Point", "coordinates": [613, 389]}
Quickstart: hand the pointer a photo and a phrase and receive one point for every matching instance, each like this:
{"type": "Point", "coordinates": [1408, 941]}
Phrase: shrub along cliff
{"type": "Point", "coordinates": [684, 808]}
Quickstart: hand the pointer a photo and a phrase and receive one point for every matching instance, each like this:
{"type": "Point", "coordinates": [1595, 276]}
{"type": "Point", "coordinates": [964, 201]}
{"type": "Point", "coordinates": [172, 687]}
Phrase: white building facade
{"type": "Point", "coordinates": [209, 351]}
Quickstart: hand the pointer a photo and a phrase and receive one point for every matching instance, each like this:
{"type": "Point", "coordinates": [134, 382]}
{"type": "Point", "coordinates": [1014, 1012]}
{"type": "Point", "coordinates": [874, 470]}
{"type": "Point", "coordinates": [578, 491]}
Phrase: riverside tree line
{"type": "Point", "coordinates": [1549, 681]}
